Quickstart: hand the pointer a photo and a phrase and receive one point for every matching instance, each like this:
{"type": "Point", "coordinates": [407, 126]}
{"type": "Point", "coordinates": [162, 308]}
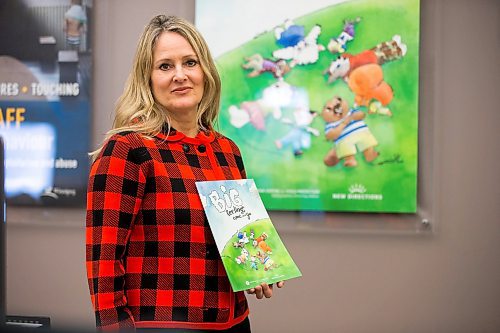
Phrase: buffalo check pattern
{"type": "Point", "coordinates": [151, 257]}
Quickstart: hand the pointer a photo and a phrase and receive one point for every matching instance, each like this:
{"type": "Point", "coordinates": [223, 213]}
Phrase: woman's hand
{"type": "Point", "coordinates": [264, 290]}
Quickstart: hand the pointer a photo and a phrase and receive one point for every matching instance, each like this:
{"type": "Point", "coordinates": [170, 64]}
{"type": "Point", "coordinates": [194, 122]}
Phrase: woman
{"type": "Point", "coordinates": [151, 258]}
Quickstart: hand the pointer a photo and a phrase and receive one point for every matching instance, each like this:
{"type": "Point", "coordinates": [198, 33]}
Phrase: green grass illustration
{"type": "Point", "coordinates": [244, 275]}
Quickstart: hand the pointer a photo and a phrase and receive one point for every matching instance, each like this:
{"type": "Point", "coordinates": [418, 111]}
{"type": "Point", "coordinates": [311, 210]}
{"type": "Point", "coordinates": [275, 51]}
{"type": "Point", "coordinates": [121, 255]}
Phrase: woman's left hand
{"type": "Point", "coordinates": [264, 290]}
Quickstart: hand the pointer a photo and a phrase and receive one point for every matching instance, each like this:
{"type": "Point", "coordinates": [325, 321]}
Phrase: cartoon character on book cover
{"type": "Point", "coordinates": [249, 245]}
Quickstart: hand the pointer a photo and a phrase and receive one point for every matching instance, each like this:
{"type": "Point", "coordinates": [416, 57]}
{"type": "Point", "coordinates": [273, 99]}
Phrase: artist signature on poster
{"type": "Point", "coordinates": [394, 160]}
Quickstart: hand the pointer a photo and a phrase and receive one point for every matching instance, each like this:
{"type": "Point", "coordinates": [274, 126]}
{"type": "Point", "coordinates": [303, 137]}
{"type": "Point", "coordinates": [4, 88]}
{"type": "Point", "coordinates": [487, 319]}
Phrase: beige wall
{"type": "Point", "coordinates": [376, 280]}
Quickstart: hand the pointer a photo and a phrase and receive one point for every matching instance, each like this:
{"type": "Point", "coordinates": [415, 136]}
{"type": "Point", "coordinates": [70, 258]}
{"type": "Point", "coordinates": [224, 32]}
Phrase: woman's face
{"type": "Point", "coordinates": [177, 78]}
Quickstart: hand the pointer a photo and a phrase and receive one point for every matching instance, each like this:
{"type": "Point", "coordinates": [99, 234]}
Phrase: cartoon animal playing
{"type": "Point", "coordinates": [289, 34]}
{"type": "Point", "coordinates": [242, 258]}
{"type": "Point", "coordinates": [238, 244]}
{"type": "Point", "coordinates": [380, 54]}
{"type": "Point", "coordinates": [253, 263]}
{"type": "Point", "coordinates": [258, 64]}
{"type": "Point", "coordinates": [338, 44]}
{"type": "Point", "coordinates": [274, 97]}
{"type": "Point", "coordinates": [350, 133]}
{"type": "Point", "coordinates": [364, 75]}
{"type": "Point", "coordinates": [242, 237]}
{"type": "Point", "coordinates": [266, 260]}
{"type": "Point", "coordinates": [260, 242]}
{"type": "Point", "coordinates": [299, 136]}
{"type": "Point", "coordinates": [367, 83]}
{"type": "Point", "coordinates": [306, 51]}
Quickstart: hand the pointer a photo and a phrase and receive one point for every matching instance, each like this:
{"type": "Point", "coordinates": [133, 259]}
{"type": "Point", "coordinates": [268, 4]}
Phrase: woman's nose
{"type": "Point", "coordinates": [179, 74]}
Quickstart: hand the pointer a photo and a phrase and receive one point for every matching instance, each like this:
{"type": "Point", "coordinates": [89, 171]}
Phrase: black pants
{"type": "Point", "coordinates": [243, 327]}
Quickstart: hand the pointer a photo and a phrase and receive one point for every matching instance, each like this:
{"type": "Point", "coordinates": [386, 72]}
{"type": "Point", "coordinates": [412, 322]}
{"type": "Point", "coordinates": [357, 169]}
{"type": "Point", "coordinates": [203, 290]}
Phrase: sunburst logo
{"type": "Point", "coordinates": [357, 188]}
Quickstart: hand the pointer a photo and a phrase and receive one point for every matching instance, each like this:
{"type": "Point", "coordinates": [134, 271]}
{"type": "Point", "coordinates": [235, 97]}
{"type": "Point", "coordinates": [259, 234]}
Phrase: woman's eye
{"type": "Point", "coordinates": [164, 67]}
{"type": "Point", "coordinates": [191, 63]}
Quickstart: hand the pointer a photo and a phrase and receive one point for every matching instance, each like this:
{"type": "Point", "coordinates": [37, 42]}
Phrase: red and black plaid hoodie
{"type": "Point", "coordinates": [151, 257]}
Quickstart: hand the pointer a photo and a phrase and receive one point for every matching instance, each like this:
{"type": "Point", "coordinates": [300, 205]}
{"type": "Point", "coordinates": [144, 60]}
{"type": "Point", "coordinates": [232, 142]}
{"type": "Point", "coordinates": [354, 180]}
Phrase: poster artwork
{"type": "Point", "coordinates": [322, 98]}
{"type": "Point", "coordinates": [45, 76]}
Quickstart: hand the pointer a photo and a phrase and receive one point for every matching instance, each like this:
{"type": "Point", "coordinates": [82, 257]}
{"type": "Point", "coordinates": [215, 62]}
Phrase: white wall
{"type": "Point", "coordinates": [445, 281]}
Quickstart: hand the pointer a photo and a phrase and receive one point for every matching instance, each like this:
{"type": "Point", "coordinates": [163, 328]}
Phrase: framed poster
{"type": "Point", "coordinates": [45, 76]}
{"type": "Point", "coordinates": [322, 99]}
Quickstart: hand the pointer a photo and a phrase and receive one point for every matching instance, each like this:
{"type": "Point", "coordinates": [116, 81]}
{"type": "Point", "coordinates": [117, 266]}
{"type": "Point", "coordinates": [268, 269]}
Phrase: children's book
{"type": "Point", "coordinates": [248, 243]}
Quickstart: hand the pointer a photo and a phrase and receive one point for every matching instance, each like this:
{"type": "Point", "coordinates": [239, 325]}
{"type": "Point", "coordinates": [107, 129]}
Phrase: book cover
{"type": "Point", "coordinates": [249, 245]}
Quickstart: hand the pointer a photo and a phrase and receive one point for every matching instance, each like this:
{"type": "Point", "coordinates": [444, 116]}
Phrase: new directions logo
{"type": "Point", "coordinates": [357, 188]}
{"type": "Point", "coordinates": [357, 192]}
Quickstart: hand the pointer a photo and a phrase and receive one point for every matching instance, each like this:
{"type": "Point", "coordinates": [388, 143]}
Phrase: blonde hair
{"type": "Point", "coordinates": [136, 109]}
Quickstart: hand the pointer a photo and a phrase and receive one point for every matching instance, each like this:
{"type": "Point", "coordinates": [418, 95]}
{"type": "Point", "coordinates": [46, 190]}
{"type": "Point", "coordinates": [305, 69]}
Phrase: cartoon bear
{"type": "Point", "coordinates": [350, 133]}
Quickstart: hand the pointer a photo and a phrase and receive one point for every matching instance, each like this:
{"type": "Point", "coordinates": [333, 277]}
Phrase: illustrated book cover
{"type": "Point", "coordinates": [249, 245]}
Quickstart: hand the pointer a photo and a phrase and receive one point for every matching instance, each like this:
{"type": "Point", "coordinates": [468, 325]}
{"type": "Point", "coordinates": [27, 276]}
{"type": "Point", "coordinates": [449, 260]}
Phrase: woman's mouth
{"type": "Point", "coordinates": [181, 90]}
